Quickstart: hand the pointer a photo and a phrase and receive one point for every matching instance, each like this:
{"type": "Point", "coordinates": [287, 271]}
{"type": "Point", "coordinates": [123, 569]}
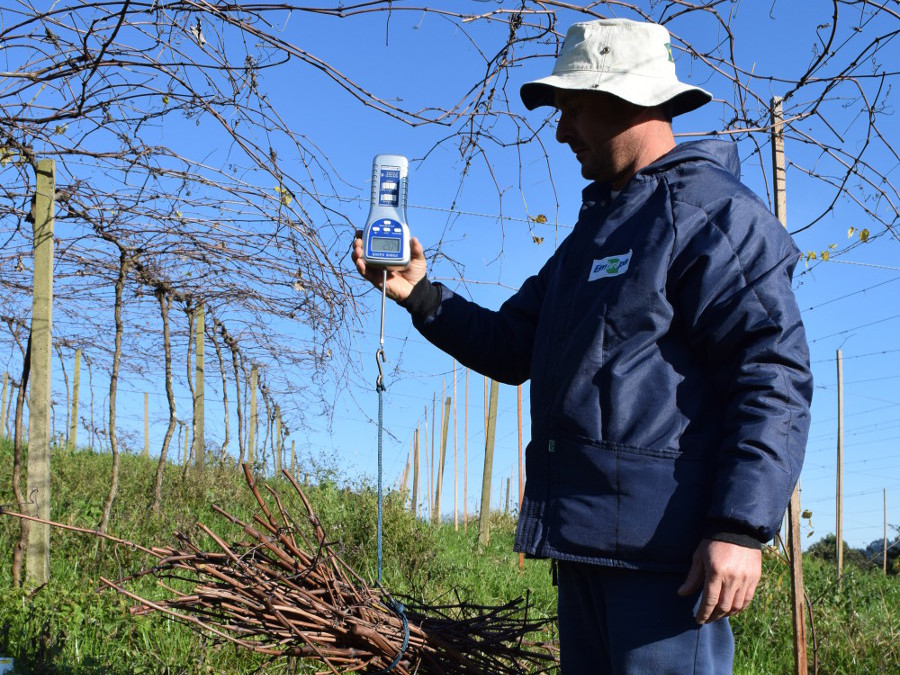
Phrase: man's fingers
{"type": "Point", "coordinates": [751, 591]}
{"type": "Point", "coordinates": [743, 596]}
{"type": "Point", "coordinates": [730, 574]}
{"type": "Point", "coordinates": [724, 606]}
{"type": "Point", "coordinates": [740, 601]}
{"type": "Point", "coordinates": [709, 599]}
{"type": "Point", "coordinates": [694, 577]}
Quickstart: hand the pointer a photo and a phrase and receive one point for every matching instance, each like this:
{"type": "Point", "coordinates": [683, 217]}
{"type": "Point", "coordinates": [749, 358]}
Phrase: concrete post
{"type": "Point", "coordinates": [37, 560]}
{"type": "Point", "coordinates": [73, 416]}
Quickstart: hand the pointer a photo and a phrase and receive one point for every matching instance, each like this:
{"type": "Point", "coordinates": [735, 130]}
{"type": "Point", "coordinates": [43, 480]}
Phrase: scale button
{"type": "Point", "coordinates": [397, 230]}
{"type": "Point", "coordinates": [375, 228]}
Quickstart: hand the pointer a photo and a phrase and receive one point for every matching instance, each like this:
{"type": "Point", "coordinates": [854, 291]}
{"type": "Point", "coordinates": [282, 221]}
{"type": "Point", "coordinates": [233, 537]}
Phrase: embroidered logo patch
{"type": "Point", "coordinates": [613, 266]}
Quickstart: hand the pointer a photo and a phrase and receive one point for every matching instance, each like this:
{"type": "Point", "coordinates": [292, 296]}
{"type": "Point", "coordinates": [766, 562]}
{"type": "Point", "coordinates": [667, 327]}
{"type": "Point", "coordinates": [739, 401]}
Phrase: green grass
{"type": "Point", "coordinates": [72, 627]}
{"type": "Point", "coordinates": [855, 629]}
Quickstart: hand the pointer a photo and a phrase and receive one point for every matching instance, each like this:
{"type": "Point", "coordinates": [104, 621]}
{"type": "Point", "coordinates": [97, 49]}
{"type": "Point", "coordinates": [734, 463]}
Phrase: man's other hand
{"type": "Point", "coordinates": [400, 282]}
{"type": "Point", "coordinates": [729, 574]}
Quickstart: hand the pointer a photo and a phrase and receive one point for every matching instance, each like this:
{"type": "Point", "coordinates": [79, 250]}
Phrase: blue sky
{"type": "Point", "coordinates": [848, 302]}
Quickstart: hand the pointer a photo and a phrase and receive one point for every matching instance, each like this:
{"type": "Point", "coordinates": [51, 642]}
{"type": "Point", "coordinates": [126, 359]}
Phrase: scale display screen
{"type": "Point", "coordinates": [385, 244]}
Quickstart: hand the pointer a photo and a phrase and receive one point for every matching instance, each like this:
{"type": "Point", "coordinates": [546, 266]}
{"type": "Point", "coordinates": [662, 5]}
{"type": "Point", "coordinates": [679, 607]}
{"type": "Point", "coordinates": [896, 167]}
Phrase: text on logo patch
{"type": "Point", "coordinates": [611, 266]}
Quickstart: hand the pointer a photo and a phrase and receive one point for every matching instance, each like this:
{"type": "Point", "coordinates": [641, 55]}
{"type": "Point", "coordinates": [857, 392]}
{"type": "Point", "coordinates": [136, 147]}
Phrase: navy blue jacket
{"type": "Point", "coordinates": [670, 382]}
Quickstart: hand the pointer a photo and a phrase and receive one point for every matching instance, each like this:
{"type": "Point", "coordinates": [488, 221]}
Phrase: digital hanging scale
{"type": "Point", "coordinates": [386, 246]}
{"type": "Point", "coordinates": [386, 236]}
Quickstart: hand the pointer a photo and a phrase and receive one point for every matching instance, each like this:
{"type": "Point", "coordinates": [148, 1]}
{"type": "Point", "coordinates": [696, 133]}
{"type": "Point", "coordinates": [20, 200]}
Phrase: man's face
{"type": "Point", "coordinates": [600, 130]}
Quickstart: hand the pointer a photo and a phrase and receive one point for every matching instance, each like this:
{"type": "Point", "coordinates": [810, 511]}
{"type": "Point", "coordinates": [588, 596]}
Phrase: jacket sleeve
{"type": "Point", "coordinates": [730, 280]}
{"type": "Point", "coordinates": [494, 343]}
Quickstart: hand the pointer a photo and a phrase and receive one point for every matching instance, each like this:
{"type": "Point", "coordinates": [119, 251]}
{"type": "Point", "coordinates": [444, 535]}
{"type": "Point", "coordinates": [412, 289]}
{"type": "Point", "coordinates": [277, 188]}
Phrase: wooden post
{"type": "Point", "coordinates": [484, 518]}
{"type": "Point", "coordinates": [404, 479]}
{"type": "Point", "coordinates": [238, 406]}
{"type": "Point", "coordinates": [778, 163]}
{"type": "Point", "coordinates": [486, 397]}
{"type": "Point", "coordinates": [415, 485]}
{"type": "Point", "coordinates": [427, 464]}
{"type": "Point", "coordinates": [521, 468]}
{"type": "Point", "coordinates": [199, 440]}
{"type": "Point", "coordinates": [508, 486]}
{"type": "Point", "coordinates": [293, 457]}
{"type": "Point", "coordinates": [466, 457]}
{"type": "Point", "coordinates": [37, 559]}
{"type": "Point", "coordinates": [839, 487]}
{"type": "Point", "coordinates": [797, 590]}
{"type": "Point", "coordinates": [793, 516]}
{"type": "Point", "coordinates": [3, 405]}
{"type": "Point", "coordinates": [433, 443]}
{"type": "Point", "coordinates": [92, 437]}
{"type": "Point", "coordinates": [251, 429]}
{"type": "Point", "coordinates": [884, 539]}
{"type": "Point", "coordinates": [445, 421]}
{"type": "Point", "coordinates": [455, 466]}
{"type": "Point", "coordinates": [146, 452]}
{"type": "Point", "coordinates": [72, 438]}
{"type": "Point", "coordinates": [217, 328]}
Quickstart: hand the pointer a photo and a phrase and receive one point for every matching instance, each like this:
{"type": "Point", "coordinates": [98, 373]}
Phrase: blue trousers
{"type": "Point", "coordinates": [624, 622]}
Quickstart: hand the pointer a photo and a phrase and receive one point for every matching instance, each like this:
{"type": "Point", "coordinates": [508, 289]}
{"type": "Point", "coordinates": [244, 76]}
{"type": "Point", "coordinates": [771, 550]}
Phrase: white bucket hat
{"type": "Point", "coordinates": [629, 59]}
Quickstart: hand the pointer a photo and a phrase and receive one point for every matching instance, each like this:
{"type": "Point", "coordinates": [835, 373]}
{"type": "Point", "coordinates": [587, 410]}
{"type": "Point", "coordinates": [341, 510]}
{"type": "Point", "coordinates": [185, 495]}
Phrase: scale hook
{"type": "Point", "coordinates": [379, 382]}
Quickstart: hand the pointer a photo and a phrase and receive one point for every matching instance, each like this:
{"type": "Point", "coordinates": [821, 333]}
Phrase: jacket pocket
{"type": "Point", "coordinates": [631, 504]}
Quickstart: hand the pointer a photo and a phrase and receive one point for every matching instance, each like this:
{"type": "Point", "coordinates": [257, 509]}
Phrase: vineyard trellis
{"type": "Point", "coordinates": [254, 241]}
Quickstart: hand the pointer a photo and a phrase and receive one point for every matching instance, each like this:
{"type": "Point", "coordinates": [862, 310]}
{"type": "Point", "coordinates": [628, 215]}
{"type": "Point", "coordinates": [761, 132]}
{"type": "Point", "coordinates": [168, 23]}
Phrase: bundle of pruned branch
{"type": "Point", "coordinates": [285, 592]}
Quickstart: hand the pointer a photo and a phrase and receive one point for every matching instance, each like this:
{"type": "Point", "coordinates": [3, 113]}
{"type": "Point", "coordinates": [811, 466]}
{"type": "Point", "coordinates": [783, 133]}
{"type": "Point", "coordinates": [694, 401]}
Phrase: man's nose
{"type": "Point", "coordinates": [562, 128]}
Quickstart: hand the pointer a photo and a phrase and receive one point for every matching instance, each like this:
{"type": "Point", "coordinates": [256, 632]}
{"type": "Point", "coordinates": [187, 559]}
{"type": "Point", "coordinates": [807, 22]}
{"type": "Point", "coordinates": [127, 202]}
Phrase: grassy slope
{"type": "Point", "coordinates": [69, 627]}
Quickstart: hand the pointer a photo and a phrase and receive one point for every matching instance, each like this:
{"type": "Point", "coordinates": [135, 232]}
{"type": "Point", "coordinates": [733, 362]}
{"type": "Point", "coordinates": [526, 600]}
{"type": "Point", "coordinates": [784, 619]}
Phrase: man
{"type": "Point", "coordinates": [670, 384]}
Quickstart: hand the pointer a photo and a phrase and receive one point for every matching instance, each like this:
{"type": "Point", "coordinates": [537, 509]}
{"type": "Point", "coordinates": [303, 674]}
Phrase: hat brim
{"type": "Point", "coordinates": [681, 97]}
